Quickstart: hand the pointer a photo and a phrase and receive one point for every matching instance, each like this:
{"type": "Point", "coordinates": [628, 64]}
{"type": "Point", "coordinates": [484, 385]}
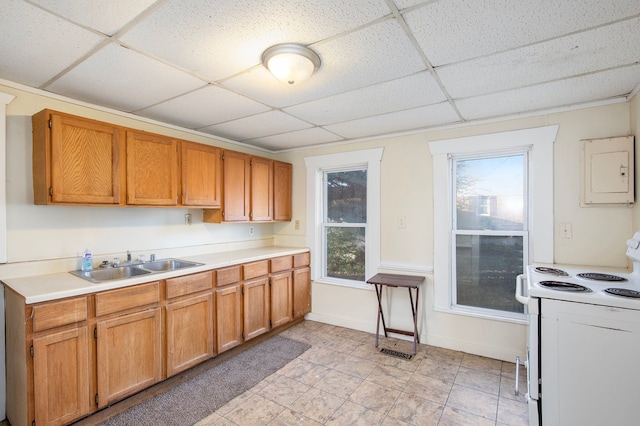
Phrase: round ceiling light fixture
{"type": "Point", "coordinates": [290, 62]}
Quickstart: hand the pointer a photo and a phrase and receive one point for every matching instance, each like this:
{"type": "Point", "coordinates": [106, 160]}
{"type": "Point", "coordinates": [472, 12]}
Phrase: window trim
{"type": "Point", "coordinates": [316, 166]}
{"type": "Point", "coordinates": [540, 245]}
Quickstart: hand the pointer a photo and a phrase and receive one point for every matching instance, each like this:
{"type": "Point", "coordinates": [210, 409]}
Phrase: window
{"type": "Point", "coordinates": [343, 210]}
{"type": "Point", "coordinates": [493, 214]}
{"type": "Point", "coordinates": [490, 227]}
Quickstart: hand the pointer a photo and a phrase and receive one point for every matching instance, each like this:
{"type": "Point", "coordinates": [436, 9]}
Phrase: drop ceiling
{"type": "Point", "coordinates": [388, 67]}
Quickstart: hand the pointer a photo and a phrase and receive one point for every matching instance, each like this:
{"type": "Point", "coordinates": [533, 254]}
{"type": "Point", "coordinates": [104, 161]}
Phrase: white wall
{"type": "Point", "coordinates": [407, 190]}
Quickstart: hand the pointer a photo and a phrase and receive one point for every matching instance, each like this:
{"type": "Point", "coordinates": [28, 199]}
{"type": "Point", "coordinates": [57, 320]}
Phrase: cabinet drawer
{"type": "Point", "coordinates": [189, 284]}
{"type": "Point", "coordinates": [226, 276]}
{"type": "Point", "coordinates": [255, 269]}
{"type": "Point", "coordinates": [112, 301]}
{"type": "Point", "coordinates": [56, 314]}
{"type": "Point", "coordinates": [301, 259]}
{"type": "Point", "coordinates": [281, 263]}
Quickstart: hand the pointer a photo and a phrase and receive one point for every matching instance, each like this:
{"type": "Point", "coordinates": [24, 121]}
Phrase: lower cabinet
{"type": "Point", "coordinates": [228, 308]}
{"type": "Point", "coordinates": [188, 317]}
{"type": "Point", "coordinates": [61, 376]}
{"type": "Point", "coordinates": [128, 341]}
{"type": "Point", "coordinates": [68, 358]}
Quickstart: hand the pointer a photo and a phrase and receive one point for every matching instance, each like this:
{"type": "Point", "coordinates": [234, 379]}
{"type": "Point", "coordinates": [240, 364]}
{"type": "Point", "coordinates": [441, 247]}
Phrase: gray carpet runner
{"type": "Point", "coordinates": [195, 399]}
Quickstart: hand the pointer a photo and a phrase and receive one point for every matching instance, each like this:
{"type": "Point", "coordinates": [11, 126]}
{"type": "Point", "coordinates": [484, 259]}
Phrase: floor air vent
{"type": "Point", "coordinates": [397, 354]}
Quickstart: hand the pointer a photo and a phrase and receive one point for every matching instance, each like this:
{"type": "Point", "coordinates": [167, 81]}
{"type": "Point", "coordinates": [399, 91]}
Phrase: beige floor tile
{"type": "Point", "coordinates": [354, 415]}
{"type": "Point", "coordinates": [291, 418]}
{"type": "Point", "coordinates": [284, 391]}
{"type": "Point", "coordinates": [256, 410]}
{"type": "Point", "coordinates": [235, 402]}
{"type": "Point", "coordinates": [479, 380]}
{"type": "Point", "coordinates": [304, 371]}
{"type": "Point", "coordinates": [374, 396]}
{"type": "Point", "coordinates": [508, 385]}
{"type": "Point", "coordinates": [445, 355]}
{"type": "Point", "coordinates": [324, 356]}
{"type": "Point", "coordinates": [316, 404]}
{"type": "Point", "coordinates": [473, 401]}
{"type": "Point", "coordinates": [427, 387]}
{"type": "Point", "coordinates": [415, 410]}
{"type": "Point", "coordinates": [438, 369]}
{"type": "Point", "coordinates": [389, 376]}
{"type": "Point", "coordinates": [339, 384]}
{"type": "Point", "coordinates": [209, 420]}
{"type": "Point", "coordinates": [512, 413]}
{"type": "Point", "coordinates": [455, 417]}
{"type": "Point", "coordinates": [509, 370]}
{"type": "Point", "coordinates": [356, 366]}
{"type": "Point", "coordinates": [476, 362]}
{"type": "Point", "coordinates": [390, 421]}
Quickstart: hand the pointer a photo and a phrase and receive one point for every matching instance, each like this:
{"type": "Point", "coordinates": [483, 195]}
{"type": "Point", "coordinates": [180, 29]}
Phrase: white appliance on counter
{"type": "Point", "coordinates": [583, 345]}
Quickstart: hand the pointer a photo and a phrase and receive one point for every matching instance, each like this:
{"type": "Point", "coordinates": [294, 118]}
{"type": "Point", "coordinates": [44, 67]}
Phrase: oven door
{"type": "Point", "coordinates": [532, 308]}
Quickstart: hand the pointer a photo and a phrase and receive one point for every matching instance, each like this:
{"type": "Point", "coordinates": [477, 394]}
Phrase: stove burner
{"type": "Point", "coordinates": [551, 271]}
{"type": "Point", "coordinates": [623, 292]}
{"type": "Point", "coordinates": [564, 286]}
{"type": "Point", "coordinates": [600, 277]}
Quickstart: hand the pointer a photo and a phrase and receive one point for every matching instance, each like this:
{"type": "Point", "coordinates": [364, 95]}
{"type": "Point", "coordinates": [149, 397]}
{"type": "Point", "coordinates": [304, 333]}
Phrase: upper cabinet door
{"type": "Point", "coordinates": [261, 189]}
{"type": "Point", "coordinates": [76, 160]}
{"type": "Point", "coordinates": [282, 191]}
{"type": "Point", "coordinates": [152, 170]}
{"type": "Point", "coordinates": [201, 175]}
{"type": "Point", "coordinates": [237, 171]}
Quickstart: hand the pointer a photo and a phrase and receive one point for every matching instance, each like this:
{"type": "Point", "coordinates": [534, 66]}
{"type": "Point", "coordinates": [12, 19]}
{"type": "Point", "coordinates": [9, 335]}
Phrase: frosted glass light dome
{"type": "Point", "coordinates": [290, 63]}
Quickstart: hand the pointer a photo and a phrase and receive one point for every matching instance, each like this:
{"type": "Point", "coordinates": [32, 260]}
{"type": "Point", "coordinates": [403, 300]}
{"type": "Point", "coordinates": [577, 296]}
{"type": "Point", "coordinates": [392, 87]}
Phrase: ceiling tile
{"type": "Point", "coordinates": [299, 138]}
{"type": "Point", "coordinates": [458, 29]}
{"type": "Point", "coordinates": [105, 16]}
{"type": "Point", "coordinates": [256, 126]}
{"type": "Point", "coordinates": [371, 55]}
{"type": "Point", "coordinates": [203, 107]}
{"type": "Point", "coordinates": [416, 118]}
{"type": "Point", "coordinates": [401, 94]}
{"type": "Point", "coordinates": [123, 79]}
{"type": "Point", "coordinates": [605, 47]}
{"type": "Point", "coordinates": [31, 40]}
{"type": "Point", "coordinates": [219, 39]}
{"type": "Point", "coordinates": [600, 86]}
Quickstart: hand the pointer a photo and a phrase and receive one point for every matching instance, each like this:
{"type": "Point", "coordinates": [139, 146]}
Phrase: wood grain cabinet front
{"type": "Point", "coordinates": [228, 302]}
{"type": "Point", "coordinates": [152, 170]}
{"type": "Point", "coordinates": [201, 175]}
{"type": "Point", "coordinates": [188, 321]}
{"type": "Point", "coordinates": [76, 161]}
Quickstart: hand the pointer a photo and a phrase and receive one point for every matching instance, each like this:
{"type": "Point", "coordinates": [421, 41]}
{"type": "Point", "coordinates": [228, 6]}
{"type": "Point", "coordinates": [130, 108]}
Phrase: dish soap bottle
{"type": "Point", "coordinates": [87, 261]}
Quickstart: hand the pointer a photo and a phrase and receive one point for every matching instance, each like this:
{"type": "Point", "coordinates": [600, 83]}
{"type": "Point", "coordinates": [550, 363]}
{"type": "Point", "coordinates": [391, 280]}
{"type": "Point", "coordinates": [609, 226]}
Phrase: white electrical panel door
{"type": "Point", "coordinates": [608, 170]}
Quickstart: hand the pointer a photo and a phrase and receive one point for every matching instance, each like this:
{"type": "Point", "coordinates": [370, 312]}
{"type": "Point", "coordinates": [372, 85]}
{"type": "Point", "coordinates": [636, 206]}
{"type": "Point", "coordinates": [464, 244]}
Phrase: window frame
{"type": "Point", "coordinates": [316, 167]}
{"type": "Point", "coordinates": [540, 205]}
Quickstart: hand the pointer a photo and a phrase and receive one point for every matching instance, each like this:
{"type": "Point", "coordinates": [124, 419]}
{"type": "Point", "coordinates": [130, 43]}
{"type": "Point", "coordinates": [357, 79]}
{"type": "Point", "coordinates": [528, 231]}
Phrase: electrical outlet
{"type": "Point", "coordinates": [565, 230]}
{"type": "Point", "coordinates": [187, 219]}
{"type": "Point", "coordinates": [296, 225]}
{"type": "Point", "coordinates": [402, 222]}
{"type": "Point", "coordinates": [251, 230]}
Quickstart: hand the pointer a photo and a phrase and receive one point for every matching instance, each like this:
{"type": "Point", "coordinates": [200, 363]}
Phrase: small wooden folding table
{"type": "Point", "coordinates": [394, 280]}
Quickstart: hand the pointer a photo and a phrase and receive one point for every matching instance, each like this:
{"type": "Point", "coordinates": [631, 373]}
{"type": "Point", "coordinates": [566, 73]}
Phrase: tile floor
{"type": "Point", "coordinates": [343, 380]}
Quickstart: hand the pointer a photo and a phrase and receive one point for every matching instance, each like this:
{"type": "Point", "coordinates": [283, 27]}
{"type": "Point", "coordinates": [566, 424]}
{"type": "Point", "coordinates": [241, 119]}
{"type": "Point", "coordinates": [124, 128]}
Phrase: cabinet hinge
{"type": "Point", "coordinates": [95, 333]}
{"type": "Point", "coordinates": [31, 351]}
{"type": "Point", "coordinates": [97, 399]}
{"type": "Point", "coordinates": [242, 290]}
{"type": "Point", "coordinates": [222, 213]}
{"type": "Point", "coordinates": [33, 423]}
{"type": "Point", "coordinates": [243, 335]}
{"type": "Point", "coordinates": [51, 190]}
{"type": "Point", "coordinates": [222, 157]}
{"type": "Point", "coordinates": [50, 123]}
{"type": "Point", "coordinates": [251, 215]}
{"type": "Point", "coordinates": [251, 162]}
{"type": "Point", "coordinates": [270, 324]}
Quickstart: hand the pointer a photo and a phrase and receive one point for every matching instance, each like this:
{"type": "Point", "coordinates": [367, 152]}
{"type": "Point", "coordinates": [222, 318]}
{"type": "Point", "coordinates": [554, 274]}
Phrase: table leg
{"type": "Point", "coordinates": [414, 312]}
{"type": "Point", "coordinates": [380, 314]}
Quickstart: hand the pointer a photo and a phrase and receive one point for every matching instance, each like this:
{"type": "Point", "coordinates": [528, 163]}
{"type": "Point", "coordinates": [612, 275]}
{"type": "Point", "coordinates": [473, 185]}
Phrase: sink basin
{"type": "Point", "coordinates": [110, 274]}
{"type": "Point", "coordinates": [168, 265]}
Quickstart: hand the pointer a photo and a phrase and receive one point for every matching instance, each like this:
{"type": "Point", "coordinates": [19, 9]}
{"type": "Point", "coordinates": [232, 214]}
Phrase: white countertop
{"type": "Point", "coordinates": [42, 288]}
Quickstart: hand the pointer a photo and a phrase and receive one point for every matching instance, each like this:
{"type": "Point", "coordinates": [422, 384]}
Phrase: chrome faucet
{"type": "Point", "coordinates": [152, 257]}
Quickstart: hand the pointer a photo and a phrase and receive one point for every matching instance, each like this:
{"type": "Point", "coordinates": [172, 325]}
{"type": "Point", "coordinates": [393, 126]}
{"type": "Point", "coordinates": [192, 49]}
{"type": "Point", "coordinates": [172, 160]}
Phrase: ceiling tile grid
{"type": "Point", "coordinates": [387, 66]}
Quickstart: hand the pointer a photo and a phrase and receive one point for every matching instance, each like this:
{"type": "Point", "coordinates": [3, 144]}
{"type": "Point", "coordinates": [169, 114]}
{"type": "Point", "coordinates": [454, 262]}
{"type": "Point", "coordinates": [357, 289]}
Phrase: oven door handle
{"type": "Point", "coordinates": [520, 297]}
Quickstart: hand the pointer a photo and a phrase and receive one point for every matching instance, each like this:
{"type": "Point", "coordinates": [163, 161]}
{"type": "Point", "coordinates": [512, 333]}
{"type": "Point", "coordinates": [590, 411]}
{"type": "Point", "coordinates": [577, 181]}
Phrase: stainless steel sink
{"type": "Point", "coordinates": [101, 275]}
{"type": "Point", "coordinates": [168, 265]}
{"type": "Point", "coordinates": [110, 274]}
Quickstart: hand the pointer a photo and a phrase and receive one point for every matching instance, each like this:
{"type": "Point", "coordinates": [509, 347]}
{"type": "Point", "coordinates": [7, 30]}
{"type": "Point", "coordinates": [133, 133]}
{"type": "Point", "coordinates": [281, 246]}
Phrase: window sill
{"type": "Point", "coordinates": [341, 283]}
{"type": "Point", "coordinates": [513, 318]}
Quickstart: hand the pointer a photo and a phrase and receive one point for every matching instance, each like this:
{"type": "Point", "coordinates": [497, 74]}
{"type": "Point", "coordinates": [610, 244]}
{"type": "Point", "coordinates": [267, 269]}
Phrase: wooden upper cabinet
{"type": "Point", "coordinates": [201, 175]}
{"type": "Point", "coordinates": [282, 177]}
{"type": "Point", "coordinates": [152, 170]}
{"type": "Point", "coordinates": [261, 189]}
{"type": "Point", "coordinates": [237, 173]}
{"type": "Point", "coordinates": [76, 160]}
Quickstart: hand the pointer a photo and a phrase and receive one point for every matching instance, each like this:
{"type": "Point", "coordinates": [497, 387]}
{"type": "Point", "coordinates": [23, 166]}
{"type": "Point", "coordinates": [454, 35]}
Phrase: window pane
{"type": "Point", "coordinates": [486, 270]}
{"type": "Point", "coordinates": [345, 252]}
{"type": "Point", "coordinates": [489, 193]}
{"type": "Point", "coordinates": [346, 196]}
